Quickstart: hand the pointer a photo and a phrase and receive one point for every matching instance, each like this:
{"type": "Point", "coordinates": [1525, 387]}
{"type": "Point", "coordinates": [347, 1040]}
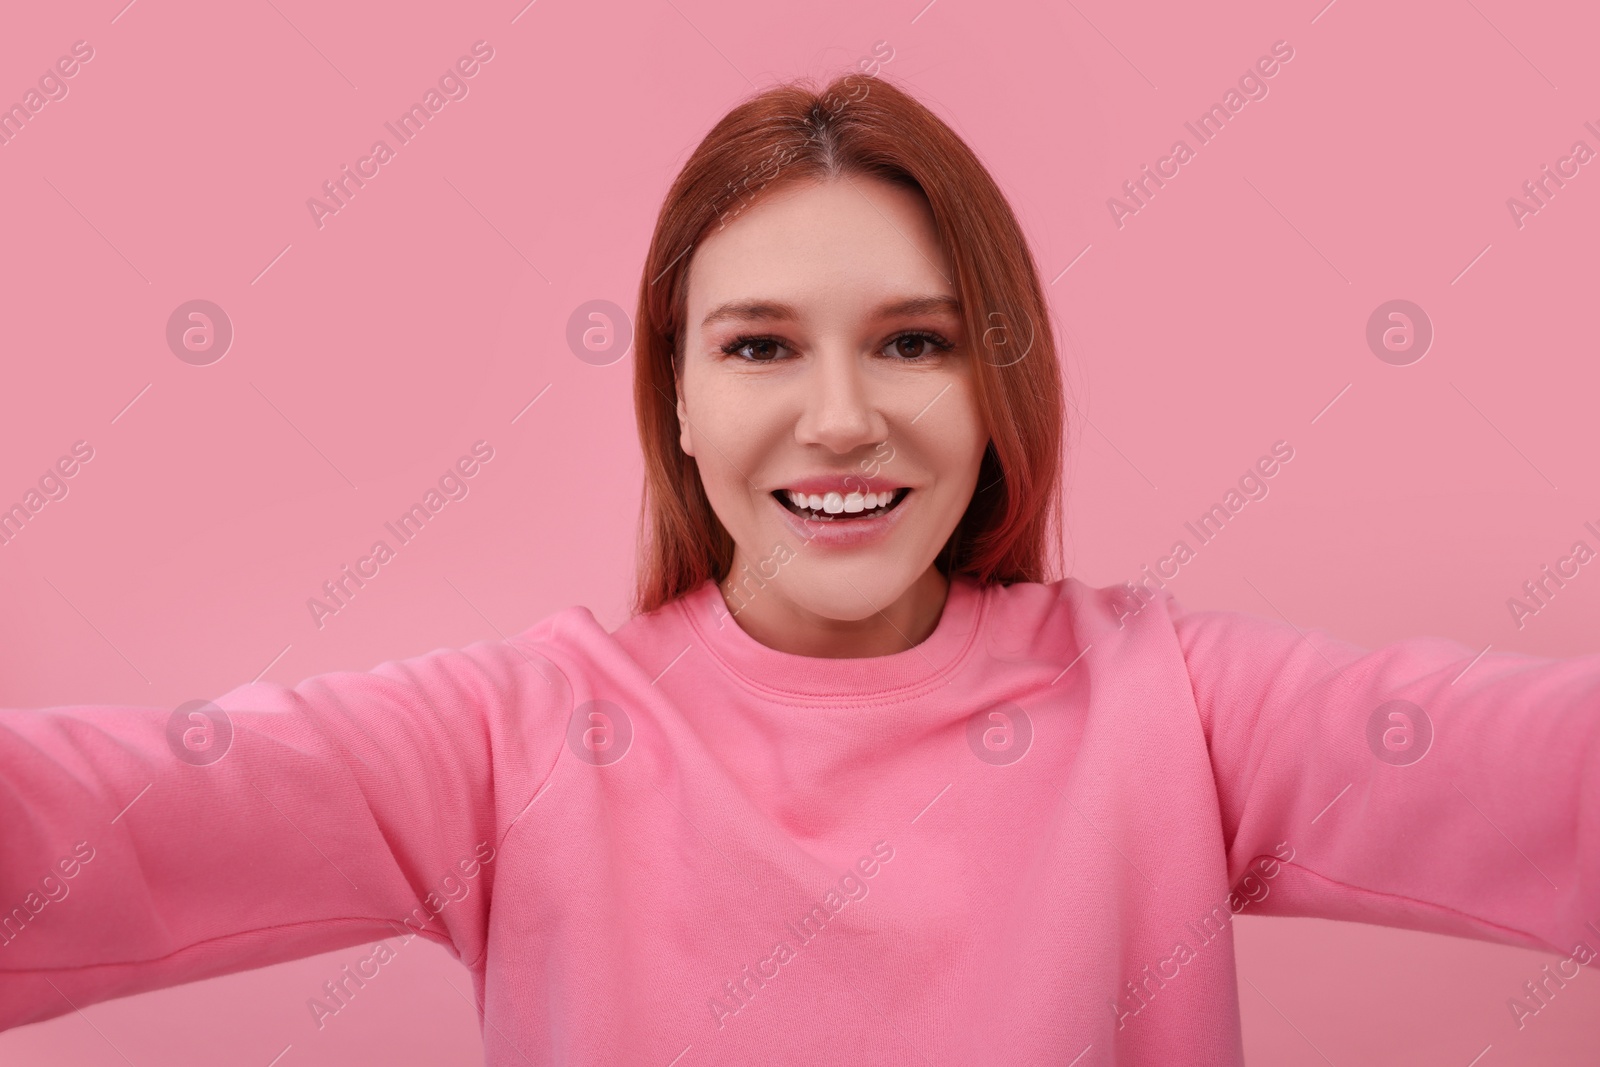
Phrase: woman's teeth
{"type": "Point", "coordinates": [817, 505]}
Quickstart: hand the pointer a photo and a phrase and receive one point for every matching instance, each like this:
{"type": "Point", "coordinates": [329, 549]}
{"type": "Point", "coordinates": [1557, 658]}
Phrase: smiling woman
{"type": "Point", "coordinates": [848, 633]}
{"type": "Point", "coordinates": [841, 366]}
{"type": "Point", "coordinates": [853, 305]}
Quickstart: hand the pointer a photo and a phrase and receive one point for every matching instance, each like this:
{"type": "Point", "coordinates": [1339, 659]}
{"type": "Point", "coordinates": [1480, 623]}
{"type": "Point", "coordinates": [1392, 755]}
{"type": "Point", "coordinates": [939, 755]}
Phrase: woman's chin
{"type": "Point", "coordinates": [844, 590]}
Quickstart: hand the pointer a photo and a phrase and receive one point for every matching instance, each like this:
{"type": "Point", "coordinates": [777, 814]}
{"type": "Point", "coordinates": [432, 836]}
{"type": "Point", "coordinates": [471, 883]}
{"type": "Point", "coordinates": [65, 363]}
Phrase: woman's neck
{"type": "Point", "coordinates": [775, 620]}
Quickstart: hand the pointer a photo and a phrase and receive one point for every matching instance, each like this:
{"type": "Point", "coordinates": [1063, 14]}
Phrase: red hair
{"type": "Point", "coordinates": [859, 125]}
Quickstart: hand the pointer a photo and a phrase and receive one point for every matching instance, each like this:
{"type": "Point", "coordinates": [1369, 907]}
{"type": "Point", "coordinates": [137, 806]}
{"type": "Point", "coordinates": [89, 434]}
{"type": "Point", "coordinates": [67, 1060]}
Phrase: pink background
{"type": "Point", "coordinates": [426, 314]}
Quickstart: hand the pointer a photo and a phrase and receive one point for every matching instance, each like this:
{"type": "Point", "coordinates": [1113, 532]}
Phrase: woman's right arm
{"type": "Point", "coordinates": [146, 847]}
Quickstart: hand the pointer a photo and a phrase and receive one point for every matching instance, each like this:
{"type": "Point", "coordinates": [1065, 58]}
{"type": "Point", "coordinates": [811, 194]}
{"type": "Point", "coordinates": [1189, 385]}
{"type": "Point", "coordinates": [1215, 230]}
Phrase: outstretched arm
{"type": "Point", "coordinates": [146, 847]}
{"type": "Point", "coordinates": [1414, 786]}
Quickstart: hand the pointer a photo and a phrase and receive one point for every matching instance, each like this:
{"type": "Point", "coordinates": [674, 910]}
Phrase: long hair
{"type": "Point", "coordinates": [859, 125]}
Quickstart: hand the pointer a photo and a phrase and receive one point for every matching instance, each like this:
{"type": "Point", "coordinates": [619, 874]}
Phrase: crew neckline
{"type": "Point", "coordinates": [863, 680]}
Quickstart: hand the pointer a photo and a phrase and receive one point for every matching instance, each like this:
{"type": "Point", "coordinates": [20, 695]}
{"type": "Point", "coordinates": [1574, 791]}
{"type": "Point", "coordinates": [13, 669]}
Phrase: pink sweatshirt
{"type": "Point", "coordinates": [1020, 842]}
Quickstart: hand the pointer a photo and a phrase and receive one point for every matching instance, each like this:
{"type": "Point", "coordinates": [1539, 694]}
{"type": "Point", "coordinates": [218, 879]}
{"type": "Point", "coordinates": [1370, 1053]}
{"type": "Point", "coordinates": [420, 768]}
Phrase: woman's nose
{"type": "Point", "coordinates": [839, 412]}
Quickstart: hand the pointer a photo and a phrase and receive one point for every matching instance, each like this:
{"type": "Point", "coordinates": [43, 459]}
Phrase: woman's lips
{"type": "Point", "coordinates": [844, 531]}
{"type": "Point", "coordinates": [836, 506]}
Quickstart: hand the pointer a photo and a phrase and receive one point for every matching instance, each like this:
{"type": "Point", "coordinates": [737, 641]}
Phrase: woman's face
{"type": "Point", "coordinates": [824, 356]}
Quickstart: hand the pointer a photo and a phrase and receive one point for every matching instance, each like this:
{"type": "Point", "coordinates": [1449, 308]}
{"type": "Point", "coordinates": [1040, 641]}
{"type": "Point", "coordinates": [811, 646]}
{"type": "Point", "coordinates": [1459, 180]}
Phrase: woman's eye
{"type": "Point", "coordinates": [912, 347]}
{"type": "Point", "coordinates": [909, 346]}
{"type": "Point", "coordinates": [760, 349]}
{"type": "Point", "coordinates": [916, 346]}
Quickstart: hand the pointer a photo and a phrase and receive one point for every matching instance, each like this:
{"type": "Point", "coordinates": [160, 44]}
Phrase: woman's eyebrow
{"type": "Point", "coordinates": [920, 305]}
{"type": "Point", "coordinates": [773, 310]}
{"type": "Point", "coordinates": [750, 311]}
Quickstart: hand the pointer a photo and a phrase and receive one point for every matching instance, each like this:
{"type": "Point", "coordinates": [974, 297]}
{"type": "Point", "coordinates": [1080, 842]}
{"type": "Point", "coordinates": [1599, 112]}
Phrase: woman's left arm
{"type": "Point", "coordinates": [1419, 784]}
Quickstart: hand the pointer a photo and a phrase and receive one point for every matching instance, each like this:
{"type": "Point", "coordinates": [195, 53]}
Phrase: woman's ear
{"type": "Point", "coordinates": [685, 440]}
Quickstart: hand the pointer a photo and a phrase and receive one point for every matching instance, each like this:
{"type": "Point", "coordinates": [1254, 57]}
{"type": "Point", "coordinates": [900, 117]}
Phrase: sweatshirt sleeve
{"type": "Point", "coordinates": [1416, 785]}
{"type": "Point", "coordinates": [144, 847]}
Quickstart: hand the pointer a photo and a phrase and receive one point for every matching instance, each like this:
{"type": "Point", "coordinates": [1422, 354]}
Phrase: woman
{"type": "Point", "coordinates": [857, 783]}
